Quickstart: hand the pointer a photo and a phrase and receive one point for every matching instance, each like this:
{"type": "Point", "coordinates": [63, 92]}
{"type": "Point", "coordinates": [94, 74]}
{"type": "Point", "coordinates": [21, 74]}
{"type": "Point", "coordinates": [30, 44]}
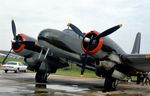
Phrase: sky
{"type": "Point", "coordinates": [33, 16]}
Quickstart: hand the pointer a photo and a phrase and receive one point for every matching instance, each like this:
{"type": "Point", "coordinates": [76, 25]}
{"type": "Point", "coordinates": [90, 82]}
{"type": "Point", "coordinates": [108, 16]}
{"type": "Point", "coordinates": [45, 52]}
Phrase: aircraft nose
{"type": "Point", "coordinates": [49, 34]}
{"type": "Point", "coordinates": [43, 34]}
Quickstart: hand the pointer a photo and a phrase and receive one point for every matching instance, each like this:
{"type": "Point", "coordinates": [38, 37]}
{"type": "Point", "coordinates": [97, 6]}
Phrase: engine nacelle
{"type": "Point", "coordinates": [22, 49]}
{"type": "Point", "coordinates": [33, 62]}
{"type": "Point", "coordinates": [96, 47]}
{"type": "Point", "coordinates": [118, 75]}
{"type": "Point", "coordinates": [96, 44]}
{"type": "Point", "coordinates": [107, 65]}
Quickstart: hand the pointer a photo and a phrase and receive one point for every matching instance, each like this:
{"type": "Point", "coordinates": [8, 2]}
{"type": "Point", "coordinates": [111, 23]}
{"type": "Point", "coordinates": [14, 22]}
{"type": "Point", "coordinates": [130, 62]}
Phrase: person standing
{"type": "Point", "coordinates": [145, 78]}
{"type": "Point", "coordinates": [148, 77]}
{"type": "Point", "coordinates": [138, 77]}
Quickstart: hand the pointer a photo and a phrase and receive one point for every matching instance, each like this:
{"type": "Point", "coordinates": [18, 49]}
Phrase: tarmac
{"type": "Point", "coordinates": [23, 84]}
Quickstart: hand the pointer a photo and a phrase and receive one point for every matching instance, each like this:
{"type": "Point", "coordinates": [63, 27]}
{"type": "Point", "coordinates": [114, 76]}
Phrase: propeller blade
{"type": "Point", "coordinates": [108, 31]}
{"type": "Point", "coordinates": [84, 62]}
{"type": "Point", "coordinates": [6, 56]}
{"type": "Point", "coordinates": [75, 29]}
{"type": "Point", "coordinates": [31, 43]}
{"type": "Point", "coordinates": [14, 29]}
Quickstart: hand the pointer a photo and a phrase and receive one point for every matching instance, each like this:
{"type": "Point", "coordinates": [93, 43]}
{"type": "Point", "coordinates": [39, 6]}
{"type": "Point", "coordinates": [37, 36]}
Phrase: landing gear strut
{"type": "Point", "coordinates": [41, 77]}
{"type": "Point", "coordinates": [110, 83]}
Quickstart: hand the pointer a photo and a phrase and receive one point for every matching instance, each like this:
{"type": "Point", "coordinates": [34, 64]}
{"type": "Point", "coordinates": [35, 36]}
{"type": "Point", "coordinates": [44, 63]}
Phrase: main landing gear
{"type": "Point", "coordinates": [110, 83]}
{"type": "Point", "coordinates": [41, 77]}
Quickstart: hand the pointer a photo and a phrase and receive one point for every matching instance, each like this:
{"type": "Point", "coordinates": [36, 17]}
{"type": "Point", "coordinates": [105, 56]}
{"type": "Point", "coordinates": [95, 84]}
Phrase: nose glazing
{"type": "Point", "coordinates": [43, 34]}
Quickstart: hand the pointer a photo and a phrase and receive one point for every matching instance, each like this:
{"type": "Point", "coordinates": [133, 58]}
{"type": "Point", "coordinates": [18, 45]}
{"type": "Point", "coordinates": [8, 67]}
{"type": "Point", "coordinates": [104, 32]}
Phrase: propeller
{"type": "Point", "coordinates": [31, 43]}
{"type": "Point", "coordinates": [6, 56]}
{"type": "Point", "coordinates": [17, 41]}
{"type": "Point", "coordinates": [13, 29]}
{"type": "Point", "coordinates": [75, 29]}
{"type": "Point", "coordinates": [107, 32]}
{"type": "Point", "coordinates": [84, 62]}
{"type": "Point", "coordinates": [14, 34]}
{"type": "Point", "coordinates": [90, 40]}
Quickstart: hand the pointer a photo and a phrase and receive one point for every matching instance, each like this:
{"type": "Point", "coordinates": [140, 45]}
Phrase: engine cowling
{"type": "Point", "coordinates": [95, 46]}
{"type": "Point", "coordinates": [20, 48]}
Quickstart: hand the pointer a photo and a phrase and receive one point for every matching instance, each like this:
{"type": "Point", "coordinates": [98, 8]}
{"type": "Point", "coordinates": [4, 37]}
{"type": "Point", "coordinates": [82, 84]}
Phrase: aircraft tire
{"type": "Point", "coordinates": [41, 77]}
{"type": "Point", "coordinates": [110, 83]}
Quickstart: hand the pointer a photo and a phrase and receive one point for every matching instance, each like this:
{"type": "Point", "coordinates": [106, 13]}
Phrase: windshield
{"type": "Point", "coordinates": [11, 63]}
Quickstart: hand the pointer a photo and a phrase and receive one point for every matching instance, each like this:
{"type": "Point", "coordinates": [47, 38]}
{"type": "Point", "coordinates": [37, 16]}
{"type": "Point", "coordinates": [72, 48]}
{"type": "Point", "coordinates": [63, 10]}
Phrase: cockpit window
{"type": "Point", "coordinates": [71, 33]}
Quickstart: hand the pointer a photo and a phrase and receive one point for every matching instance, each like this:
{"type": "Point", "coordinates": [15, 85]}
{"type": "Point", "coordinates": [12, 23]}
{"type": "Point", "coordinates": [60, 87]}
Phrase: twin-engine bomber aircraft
{"type": "Point", "coordinates": [93, 50]}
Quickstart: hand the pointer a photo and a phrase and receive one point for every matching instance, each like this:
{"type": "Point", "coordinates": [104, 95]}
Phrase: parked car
{"type": "Point", "coordinates": [14, 66]}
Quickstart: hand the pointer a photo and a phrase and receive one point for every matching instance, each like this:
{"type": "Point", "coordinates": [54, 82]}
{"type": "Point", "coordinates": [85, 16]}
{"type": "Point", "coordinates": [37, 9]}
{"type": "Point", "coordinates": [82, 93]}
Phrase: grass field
{"type": "Point", "coordinates": [75, 72]}
{"type": "Point", "coordinates": [68, 71]}
{"type": "Point", "coordinates": [12, 59]}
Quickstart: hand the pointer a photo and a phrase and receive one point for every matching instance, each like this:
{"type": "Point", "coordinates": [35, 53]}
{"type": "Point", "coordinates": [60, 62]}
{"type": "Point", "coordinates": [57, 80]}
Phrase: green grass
{"type": "Point", "coordinates": [75, 72]}
{"type": "Point", "coordinates": [134, 78]}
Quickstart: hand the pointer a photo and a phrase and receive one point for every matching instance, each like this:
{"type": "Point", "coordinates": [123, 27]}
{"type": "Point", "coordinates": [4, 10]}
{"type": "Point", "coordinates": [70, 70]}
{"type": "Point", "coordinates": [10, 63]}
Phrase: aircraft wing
{"type": "Point", "coordinates": [140, 62]}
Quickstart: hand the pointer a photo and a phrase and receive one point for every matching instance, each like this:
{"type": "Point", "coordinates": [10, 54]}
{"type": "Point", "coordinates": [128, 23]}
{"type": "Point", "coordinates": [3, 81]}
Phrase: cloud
{"type": "Point", "coordinates": [32, 16]}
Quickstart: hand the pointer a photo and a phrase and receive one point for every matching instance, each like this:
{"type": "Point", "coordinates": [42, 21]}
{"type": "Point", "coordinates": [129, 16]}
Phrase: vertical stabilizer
{"type": "Point", "coordinates": [136, 47]}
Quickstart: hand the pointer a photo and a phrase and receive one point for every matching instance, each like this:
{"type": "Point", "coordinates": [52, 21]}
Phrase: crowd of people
{"type": "Point", "coordinates": [143, 77]}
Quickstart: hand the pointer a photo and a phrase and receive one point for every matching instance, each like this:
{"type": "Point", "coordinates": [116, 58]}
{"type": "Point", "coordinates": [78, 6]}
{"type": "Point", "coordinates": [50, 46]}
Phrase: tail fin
{"type": "Point", "coordinates": [136, 47]}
